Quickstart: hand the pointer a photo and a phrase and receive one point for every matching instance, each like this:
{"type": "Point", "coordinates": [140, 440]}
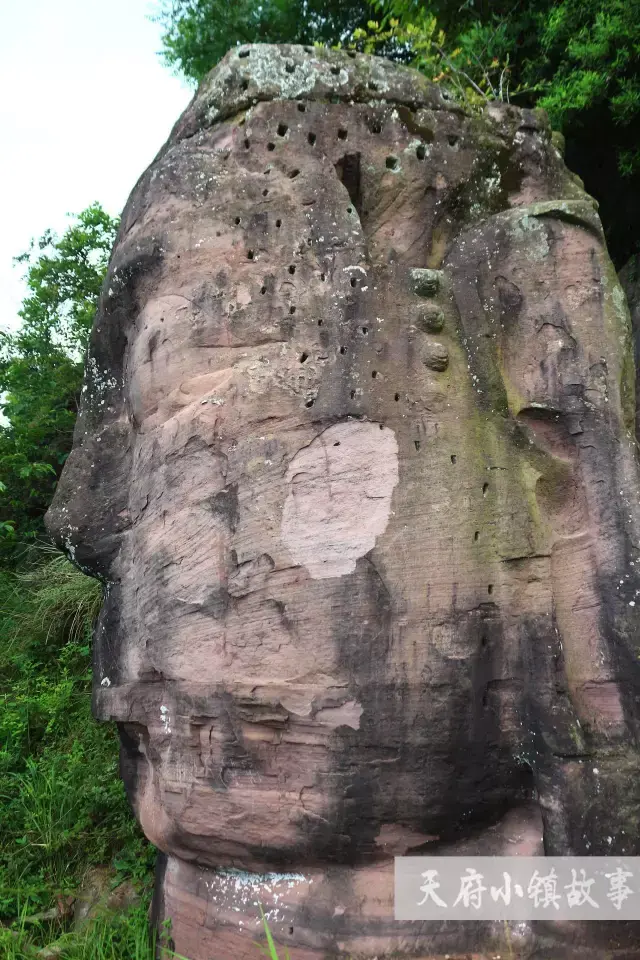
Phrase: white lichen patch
{"type": "Point", "coordinates": [240, 891]}
{"type": "Point", "coordinates": [165, 719]}
{"type": "Point", "coordinates": [242, 881]}
{"type": "Point", "coordinates": [270, 72]}
{"type": "Point", "coordinates": [267, 69]}
{"type": "Point", "coordinates": [620, 306]}
{"type": "Point", "coordinates": [339, 499]}
{"type": "Point", "coordinates": [99, 384]}
{"type": "Point", "coordinates": [533, 234]}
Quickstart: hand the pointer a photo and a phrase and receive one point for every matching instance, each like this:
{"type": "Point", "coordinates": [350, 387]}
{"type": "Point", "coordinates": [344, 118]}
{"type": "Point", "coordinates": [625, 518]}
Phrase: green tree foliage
{"type": "Point", "coordinates": [198, 33]}
{"type": "Point", "coordinates": [579, 59]}
{"type": "Point", "coordinates": [41, 366]}
{"type": "Point", "coordinates": [62, 805]}
{"type": "Point", "coordinates": [589, 58]}
{"type": "Point", "coordinates": [568, 56]}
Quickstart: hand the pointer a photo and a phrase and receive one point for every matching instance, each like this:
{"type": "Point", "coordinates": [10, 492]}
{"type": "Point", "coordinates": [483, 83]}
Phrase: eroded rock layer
{"type": "Point", "coordinates": [356, 464]}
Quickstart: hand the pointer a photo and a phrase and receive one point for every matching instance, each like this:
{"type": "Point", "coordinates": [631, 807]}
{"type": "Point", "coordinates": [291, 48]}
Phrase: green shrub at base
{"type": "Point", "coordinates": [62, 804]}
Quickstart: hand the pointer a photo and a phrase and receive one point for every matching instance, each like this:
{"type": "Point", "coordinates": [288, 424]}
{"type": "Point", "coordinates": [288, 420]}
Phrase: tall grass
{"type": "Point", "coordinates": [124, 937]}
{"type": "Point", "coordinates": [61, 599]}
{"type": "Point", "coordinates": [62, 805]}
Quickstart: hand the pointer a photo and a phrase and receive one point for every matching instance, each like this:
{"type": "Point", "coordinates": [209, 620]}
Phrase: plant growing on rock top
{"type": "Point", "coordinates": [423, 44]}
{"type": "Point", "coordinates": [579, 59]}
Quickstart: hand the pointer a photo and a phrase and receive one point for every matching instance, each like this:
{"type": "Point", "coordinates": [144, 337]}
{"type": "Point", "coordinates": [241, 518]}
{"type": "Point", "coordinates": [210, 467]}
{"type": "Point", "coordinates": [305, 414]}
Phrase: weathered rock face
{"type": "Point", "coordinates": [630, 280]}
{"type": "Point", "coordinates": [356, 464]}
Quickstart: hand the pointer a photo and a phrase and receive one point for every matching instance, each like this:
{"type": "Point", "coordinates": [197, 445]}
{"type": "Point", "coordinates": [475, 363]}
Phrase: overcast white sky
{"type": "Point", "coordinates": [85, 104]}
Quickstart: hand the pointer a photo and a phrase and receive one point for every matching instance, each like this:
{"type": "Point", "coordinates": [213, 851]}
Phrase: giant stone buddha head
{"type": "Point", "coordinates": [356, 466]}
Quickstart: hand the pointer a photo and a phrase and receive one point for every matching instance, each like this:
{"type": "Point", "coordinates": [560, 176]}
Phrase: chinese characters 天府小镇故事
{"type": "Point", "coordinates": [544, 890]}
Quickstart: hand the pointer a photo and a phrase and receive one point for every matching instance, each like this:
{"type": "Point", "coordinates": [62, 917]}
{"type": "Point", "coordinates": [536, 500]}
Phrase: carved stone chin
{"type": "Point", "coordinates": [356, 464]}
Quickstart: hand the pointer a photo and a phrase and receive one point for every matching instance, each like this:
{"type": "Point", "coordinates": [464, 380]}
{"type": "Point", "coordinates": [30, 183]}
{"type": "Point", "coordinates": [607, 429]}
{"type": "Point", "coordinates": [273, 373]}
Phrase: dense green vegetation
{"type": "Point", "coordinates": [62, 805]}
{"type": "Point", "coordinates": [41, 367]}
{"type": "Point", "coordinates": [198, 33]}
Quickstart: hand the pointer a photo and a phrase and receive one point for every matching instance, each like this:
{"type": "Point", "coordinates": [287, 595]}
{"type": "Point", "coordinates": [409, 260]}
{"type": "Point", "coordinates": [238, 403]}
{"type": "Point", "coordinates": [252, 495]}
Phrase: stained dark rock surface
{"type": "Point", "coordinates": [359, 604]}
{"type": "Point", "coordinates": [629, 277]}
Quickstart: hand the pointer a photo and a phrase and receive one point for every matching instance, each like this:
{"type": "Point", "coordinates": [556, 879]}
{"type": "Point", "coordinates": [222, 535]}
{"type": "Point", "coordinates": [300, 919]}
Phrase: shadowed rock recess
{"type": "Point", "coordinates": [356, 464]}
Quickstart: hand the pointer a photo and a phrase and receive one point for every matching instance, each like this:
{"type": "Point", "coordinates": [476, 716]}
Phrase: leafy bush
{"type": "Point", "coordinates": [198, 33]}
{"type": "Point", "coordinates": [63, 806]}
{"type": "Point", "coordinates": [41, 367]}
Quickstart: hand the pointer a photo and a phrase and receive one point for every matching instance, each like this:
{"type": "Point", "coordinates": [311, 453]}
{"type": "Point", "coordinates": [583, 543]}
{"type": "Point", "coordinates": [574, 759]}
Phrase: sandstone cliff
{"type": "Point", "coordinates": [356, 464]}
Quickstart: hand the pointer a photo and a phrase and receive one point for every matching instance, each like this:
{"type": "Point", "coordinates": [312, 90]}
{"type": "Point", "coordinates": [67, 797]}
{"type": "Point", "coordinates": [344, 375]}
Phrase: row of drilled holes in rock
{"type": "Point", "coordinates": [295, 172]}
{"type": "Point", "coordinates": [353, 393]}
{"type": "Point", "coordinates": [374, 125]}
{"type": "Point", "coordinates": [485, 491]}
{"type": "Point", "coordinates": [304, 356]}
{"type": "Point", "coordinates": [251, 253]}
{"type": "Point", "coordinates": [291, 269]}
{"type": "Point", "coordinates": [347, 168]}
{"type": "Point", "coordinates": [392, 162]}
